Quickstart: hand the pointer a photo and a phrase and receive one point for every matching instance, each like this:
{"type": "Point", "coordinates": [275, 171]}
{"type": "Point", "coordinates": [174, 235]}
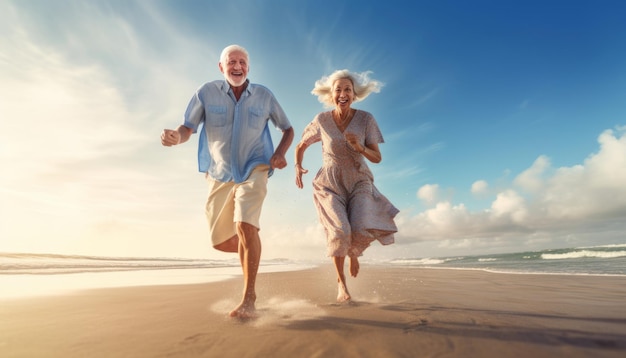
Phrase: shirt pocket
{"type": "Point", "coordinates": [217, 116]}
{"type": "Point", "coordinates": [257, 117]}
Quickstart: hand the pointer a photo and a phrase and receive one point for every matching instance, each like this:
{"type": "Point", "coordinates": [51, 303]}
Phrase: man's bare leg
{"type": "Point", "coordinates": [250, 256]}
{"type": "Point", "coordinates": [342, 289]}
{"type": "Point", "coordinates": [230, 245]}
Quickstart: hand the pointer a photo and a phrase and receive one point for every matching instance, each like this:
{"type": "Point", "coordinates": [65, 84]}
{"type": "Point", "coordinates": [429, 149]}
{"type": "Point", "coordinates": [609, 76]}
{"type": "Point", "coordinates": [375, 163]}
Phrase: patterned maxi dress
{"type": "Point", "coordinates": [353, 212]}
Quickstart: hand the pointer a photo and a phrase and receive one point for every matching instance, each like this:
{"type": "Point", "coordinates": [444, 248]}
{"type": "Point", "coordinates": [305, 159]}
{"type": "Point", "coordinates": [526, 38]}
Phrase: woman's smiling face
{"type": "Point", "coordinates": [343, 93]}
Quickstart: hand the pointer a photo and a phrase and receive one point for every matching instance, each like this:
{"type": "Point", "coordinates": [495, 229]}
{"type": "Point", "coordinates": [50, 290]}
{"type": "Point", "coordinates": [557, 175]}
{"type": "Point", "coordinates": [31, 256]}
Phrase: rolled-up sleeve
{"type": "Point", "coordinates": [194, 115]}
{"type": "Point", "coordinates": [278, 116]}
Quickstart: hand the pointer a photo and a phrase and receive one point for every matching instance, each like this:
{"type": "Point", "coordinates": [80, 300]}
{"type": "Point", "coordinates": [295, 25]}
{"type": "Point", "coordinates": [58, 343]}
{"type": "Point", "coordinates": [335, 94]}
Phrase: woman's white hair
{"type": "Point", "coordinates": [228, 49]}
{"type": "Point", "coordinates": [361, 82]}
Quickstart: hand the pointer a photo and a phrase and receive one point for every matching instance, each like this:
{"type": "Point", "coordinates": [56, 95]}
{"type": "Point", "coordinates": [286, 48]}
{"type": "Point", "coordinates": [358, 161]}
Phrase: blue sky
{"type": "Point", "coordinates": [504, 122]}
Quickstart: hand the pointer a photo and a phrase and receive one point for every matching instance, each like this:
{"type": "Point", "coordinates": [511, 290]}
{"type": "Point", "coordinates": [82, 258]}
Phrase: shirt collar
{"type": "Point", "coordinates": [226, 86]}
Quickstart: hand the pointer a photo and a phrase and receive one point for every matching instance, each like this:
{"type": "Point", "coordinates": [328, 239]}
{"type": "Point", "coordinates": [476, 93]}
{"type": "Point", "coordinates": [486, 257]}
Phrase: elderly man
{"type": "Point", "coordinates": [237, 155]}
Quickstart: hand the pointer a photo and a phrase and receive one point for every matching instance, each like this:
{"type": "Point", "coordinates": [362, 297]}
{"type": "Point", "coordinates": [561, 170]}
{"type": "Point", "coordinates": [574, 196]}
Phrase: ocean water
{"type": "Point", "coordinates": [596, 260]}
{"type": "Point", "coordinates": [27, 275]}
{"type": "Point", "coordinates": [45, 264]}
{"type": "Point", "coordinates": [24, 275]}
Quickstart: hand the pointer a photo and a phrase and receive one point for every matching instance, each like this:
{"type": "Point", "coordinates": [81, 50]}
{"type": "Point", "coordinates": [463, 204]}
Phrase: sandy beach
{"type": "Point", "coordinates": [396, 312]}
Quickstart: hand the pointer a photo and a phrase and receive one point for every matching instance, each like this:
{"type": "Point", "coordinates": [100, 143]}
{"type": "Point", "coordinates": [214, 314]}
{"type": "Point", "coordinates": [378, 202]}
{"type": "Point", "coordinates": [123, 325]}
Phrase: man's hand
{"type": "Point", "coordinates": [170, 137]}
{"type": "Point", "coordinates": [278, 161]}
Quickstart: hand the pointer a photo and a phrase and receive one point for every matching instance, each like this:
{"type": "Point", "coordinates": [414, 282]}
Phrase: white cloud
{"type": "Point", "coordinates": [581, 200]}
{"type": "Point", "coordinates": [594, 189]}
{"type": "Point", "coordinates": [509, 204]}
{"type": "Point", "coordinates": [445, 215]}
{"type": "Point", "coordinates": [480, 187]}
{"type": "Point", "coordinates": [428, 193]}
{"type": "Point", "coordinates": [532, 179]}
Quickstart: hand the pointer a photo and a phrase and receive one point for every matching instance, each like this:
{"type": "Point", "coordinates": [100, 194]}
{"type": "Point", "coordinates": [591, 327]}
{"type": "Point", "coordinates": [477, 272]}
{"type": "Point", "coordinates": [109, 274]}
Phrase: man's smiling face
{"type": "Point", "coordinates": [235, 68]}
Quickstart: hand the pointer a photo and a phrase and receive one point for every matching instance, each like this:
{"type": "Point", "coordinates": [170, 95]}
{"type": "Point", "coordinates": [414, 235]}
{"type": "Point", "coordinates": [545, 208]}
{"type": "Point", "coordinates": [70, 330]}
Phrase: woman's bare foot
{"type": "Point", "coordinates": [245, 310]}
{"type": "Point", "coordinates": [342, 294]}
{"type": "Point", "coordinates": [354, 266]}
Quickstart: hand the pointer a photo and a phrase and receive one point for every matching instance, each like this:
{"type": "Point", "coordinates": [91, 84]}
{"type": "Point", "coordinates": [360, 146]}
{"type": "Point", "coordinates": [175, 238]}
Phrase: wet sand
{"type": "Point", "coordinates": [395, 312]}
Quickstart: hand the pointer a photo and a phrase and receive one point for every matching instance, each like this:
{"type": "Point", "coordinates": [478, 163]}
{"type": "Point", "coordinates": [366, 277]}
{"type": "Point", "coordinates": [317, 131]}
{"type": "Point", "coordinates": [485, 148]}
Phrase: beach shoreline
{"type": "Point", "coordinates": [396, 311]}
{"type": "Point", "coordinates": [24, 285]}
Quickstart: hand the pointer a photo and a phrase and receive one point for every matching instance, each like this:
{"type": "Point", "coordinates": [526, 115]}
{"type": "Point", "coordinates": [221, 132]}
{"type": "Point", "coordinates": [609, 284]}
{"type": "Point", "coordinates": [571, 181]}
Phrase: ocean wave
{"type": "Point", "coordinates": [605, 260]}
{"type": "Point", "coordinates": [20, 263]}
{"type": "Point", "coordinates": [610, 246]}
{"type": "Point", "coordinates": [584, 253]}
{"type": "Point", "coordinates": [424, 261]}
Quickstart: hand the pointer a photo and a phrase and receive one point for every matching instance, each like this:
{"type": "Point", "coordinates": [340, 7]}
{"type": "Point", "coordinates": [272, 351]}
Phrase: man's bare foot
{"type": "Point", "coordinates": [342, 294]}
{"type": "Point", "coordinates": [354, 266]}
{"type": "Point", "coordinates": [245, 310]}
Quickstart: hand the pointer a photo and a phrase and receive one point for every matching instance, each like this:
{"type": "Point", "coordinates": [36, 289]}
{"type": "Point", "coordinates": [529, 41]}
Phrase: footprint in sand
{"type": "Point", "coordinates": [276, 310]}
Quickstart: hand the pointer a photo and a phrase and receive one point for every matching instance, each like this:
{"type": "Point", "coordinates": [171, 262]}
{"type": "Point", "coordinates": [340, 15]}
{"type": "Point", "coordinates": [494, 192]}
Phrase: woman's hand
{"type": "Point", "coordinates": [353, 141]}
{"type": "Point", "coordinates": [299, 172]}
{"type": "Point", "coordinates": [370, 152]}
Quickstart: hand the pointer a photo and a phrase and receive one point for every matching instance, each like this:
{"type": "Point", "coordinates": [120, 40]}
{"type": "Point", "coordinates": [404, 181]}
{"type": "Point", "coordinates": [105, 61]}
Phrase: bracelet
{"type": "Point", "coordinates": [364, 149]}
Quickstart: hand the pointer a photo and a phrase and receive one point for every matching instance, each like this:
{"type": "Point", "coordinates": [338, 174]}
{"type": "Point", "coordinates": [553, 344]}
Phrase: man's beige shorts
{"type": "Point", "coordinates": [229, 203]}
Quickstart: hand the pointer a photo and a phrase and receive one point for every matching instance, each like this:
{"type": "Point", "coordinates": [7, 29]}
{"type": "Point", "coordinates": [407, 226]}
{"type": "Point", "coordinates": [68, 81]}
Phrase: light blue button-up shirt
{"type": "Point", "coordinates": [235, 136]}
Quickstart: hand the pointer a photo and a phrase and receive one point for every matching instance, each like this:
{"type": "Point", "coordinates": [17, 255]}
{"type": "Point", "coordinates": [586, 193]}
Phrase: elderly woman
{"type": "Point", "coordinates": [350, 208]}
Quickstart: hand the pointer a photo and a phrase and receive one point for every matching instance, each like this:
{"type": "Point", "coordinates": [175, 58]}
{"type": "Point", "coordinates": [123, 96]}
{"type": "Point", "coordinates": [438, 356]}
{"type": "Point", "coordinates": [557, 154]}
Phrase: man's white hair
{"type": "Point", "coordinates": [361, 82]}
{"type": "Point", "coordinates": [228, 49]}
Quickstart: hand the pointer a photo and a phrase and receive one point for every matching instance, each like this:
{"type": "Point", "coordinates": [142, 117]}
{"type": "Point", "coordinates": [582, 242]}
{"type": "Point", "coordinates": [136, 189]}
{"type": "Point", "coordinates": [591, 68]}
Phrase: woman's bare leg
{"type": "Point", "coordinates": [354, 266]}
{"type": "Point", "coordinates": [342, 294]}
